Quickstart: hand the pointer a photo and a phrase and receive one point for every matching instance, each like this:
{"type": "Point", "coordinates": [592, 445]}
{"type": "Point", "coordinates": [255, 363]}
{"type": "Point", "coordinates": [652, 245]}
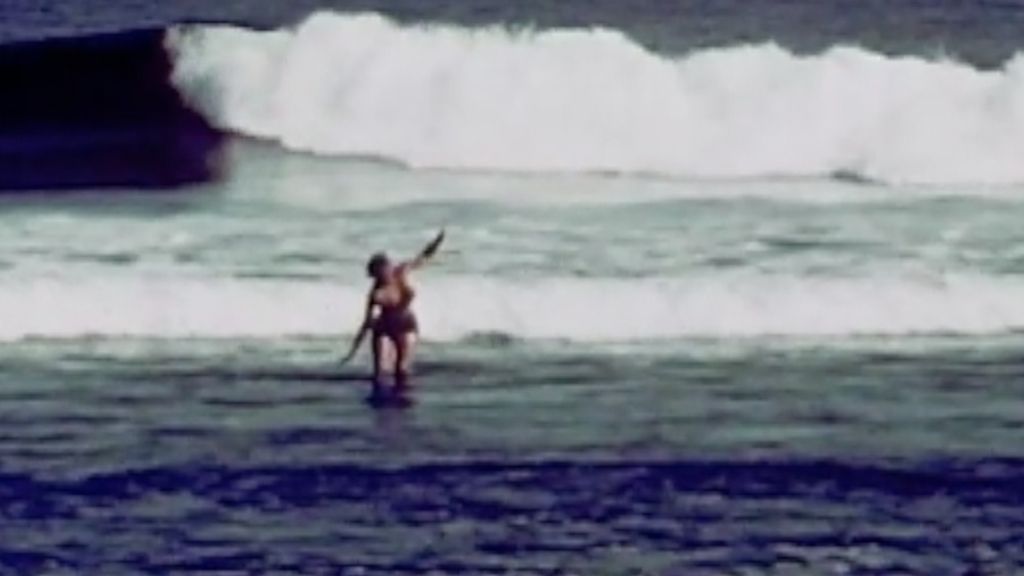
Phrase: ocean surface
{"type": "Point", "coordinates": [730, 288]}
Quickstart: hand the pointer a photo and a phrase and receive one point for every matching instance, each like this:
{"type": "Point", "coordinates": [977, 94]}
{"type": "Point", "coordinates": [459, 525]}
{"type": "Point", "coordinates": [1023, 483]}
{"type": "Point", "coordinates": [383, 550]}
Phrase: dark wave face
{"type": "Point", "coordinates": [98, 112]}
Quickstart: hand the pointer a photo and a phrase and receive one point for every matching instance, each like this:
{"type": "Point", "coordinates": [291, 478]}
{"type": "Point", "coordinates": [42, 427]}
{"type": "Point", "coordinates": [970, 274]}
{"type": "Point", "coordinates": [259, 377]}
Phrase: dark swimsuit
{"type": "Point", "coordinates": [398, 320]}
{"type": "Point", "coordinates": [397, 323]}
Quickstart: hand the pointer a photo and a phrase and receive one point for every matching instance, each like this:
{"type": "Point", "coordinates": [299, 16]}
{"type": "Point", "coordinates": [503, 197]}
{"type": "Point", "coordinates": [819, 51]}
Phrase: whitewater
{"type": "Point", "coordinates": [278, 251]}
{"type": "Point", "coordinates": [596, 100]}
{"type": "Point", "coordinates": [454, 309]}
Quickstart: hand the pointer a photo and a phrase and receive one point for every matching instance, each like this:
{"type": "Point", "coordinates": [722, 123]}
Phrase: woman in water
{"type": "Point", "coordinates": [389, 316]}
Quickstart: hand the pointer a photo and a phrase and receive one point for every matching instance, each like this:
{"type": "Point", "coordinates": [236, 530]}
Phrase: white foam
{"type": "Point", "coordinates": [575, 309]}
{"type": "Point", "coordinates": [594, 100]}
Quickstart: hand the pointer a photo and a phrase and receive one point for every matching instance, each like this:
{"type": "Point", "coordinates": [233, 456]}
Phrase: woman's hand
{"type": "Point", "coordinates": [427, 252]}
{"type": "Point", "coordinates": [432, 248]}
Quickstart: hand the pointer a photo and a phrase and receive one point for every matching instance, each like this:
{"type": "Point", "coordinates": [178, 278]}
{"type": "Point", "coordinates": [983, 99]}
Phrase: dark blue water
{"type": "Point", "coordinates": [985, 32]}
{"type": "Point", "coordinates": [500, 518]}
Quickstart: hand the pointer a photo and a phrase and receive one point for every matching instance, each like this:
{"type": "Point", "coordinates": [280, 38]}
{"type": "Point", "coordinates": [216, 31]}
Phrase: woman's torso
{"type": "Point", "coordinates": [394, 299]}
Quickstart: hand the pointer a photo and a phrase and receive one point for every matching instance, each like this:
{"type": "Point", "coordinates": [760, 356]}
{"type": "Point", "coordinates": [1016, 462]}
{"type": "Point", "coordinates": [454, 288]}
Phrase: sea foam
{"type": "Point", "coordinates": [585, 310]}
{"type": "Point", "coordinates": [594, 100]}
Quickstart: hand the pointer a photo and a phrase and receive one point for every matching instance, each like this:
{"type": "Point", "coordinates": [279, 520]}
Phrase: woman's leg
{"type": "Point", "coordinates": [380, 360]}
{"type": "Point", "coordinates": [405, 348]}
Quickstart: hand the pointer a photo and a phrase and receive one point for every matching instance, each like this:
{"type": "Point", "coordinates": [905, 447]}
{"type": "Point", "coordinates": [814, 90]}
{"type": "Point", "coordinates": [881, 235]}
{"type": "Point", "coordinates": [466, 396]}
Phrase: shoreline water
{"type": "Point", "coordinates": [579, 464]}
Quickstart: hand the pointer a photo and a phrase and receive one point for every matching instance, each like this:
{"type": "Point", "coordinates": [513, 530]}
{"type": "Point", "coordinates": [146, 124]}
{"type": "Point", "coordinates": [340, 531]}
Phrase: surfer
{"type": "Point", "coordinates": [389, 316]}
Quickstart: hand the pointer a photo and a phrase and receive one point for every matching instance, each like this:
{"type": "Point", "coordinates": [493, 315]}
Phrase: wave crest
{"type": "Point", "coordinates": [594, 100]}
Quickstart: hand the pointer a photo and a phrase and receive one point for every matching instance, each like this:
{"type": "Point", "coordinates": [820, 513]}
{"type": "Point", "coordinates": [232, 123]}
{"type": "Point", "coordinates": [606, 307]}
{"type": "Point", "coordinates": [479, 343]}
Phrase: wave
{"type": "Point", "coordinates": [593, 100]}
{"type": "Point", "coordinates": [585, 310]}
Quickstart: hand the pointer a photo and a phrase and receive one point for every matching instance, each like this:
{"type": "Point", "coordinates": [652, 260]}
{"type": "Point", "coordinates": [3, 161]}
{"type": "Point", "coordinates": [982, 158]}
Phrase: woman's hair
{"type": "Point", "coordinates": [376, 264]}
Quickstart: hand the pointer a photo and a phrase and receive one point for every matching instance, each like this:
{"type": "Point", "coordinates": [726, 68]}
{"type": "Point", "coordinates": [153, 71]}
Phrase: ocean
{"type": "Point", "coordinates": [730, 288]}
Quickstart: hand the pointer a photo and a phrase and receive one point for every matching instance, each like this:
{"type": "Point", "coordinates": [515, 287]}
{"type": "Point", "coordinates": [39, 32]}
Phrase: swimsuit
{"type": "Point", "coordinates": [397, 323]}
{"type": "Point", "coordinates": [397, 319]}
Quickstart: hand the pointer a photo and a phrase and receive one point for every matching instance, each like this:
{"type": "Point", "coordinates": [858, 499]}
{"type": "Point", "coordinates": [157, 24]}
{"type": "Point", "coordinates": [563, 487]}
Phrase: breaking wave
{"type": "Point", "coordinates": [594, 100]}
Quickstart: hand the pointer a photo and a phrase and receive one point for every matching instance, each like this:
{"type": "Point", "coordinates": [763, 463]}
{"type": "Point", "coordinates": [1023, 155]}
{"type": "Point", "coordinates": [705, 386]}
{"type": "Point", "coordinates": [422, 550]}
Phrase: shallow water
{"type": "Point", "coordinates": [143, 457]}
